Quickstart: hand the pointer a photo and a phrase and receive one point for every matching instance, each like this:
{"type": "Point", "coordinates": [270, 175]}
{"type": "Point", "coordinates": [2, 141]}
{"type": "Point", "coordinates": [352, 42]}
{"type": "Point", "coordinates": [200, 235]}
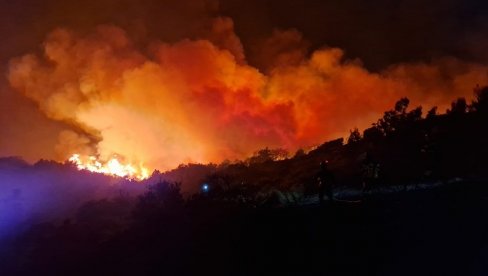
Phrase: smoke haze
{"type": "Point", "coordinates": [199, 101]}
{"type": "Point", "coordinates": [169, 82]}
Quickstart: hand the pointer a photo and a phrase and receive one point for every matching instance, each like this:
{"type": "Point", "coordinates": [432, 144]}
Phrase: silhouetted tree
{"type": "Point", "coordinates": [224, 164]}
{"type": "Point", "coordinates": [372, 134]}
{"type": "Point", "coordinates": [267, 154]}
{"type": "Point", "coordinates": [354, 136]}
{"type": "Point", "coordinates": [402, 105]}
{"type": "Point", "coordinates": [415, 114]}
{"type": "Point", "coordinates": [481, 102]}
{"type": "Point", "coordinates": [458, 107]}
{"type": "Point", "coordinates": [432, 112]}
{"type": "Point", "coordinates": [392, 119]}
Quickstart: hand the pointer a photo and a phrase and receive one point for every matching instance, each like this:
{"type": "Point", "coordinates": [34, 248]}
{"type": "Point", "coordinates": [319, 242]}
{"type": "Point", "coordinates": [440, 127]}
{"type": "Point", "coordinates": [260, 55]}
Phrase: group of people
{"type": "Point", "coordinates": [326, 179]}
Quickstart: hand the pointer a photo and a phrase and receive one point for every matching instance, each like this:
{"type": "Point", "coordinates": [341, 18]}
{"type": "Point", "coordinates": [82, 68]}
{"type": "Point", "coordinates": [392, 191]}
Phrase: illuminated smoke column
{"type": "Point", "coordinates": [199, 101]}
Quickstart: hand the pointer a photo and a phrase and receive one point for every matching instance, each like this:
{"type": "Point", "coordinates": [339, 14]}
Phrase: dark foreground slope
{"type": "Point", "coordinates": [442, 231]}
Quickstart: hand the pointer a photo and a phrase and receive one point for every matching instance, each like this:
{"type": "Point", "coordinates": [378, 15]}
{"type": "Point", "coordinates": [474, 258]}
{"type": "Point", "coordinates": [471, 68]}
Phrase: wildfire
{"type": "Point", "coordinates": [112, 167]}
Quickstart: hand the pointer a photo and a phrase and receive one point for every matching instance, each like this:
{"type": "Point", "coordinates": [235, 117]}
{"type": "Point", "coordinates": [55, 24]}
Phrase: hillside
{"type": "Point", "coordinates": [424, 215]}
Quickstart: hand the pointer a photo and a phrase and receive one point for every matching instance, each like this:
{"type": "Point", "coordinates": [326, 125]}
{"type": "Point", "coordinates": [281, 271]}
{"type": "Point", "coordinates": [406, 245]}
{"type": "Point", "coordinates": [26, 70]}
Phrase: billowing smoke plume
{"type": "Point", "coordinates": [199, 100]}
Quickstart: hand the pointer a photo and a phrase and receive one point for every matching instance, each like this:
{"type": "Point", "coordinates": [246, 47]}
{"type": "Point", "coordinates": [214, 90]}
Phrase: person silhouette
{"type": "Point", "coordinates": [325, 179]}
{"type": "Point", "coordinates": [370, 174]}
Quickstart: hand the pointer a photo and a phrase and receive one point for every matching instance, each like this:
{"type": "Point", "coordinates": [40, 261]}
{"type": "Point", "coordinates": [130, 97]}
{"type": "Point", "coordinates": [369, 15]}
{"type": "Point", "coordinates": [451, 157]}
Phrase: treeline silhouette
{"type": "Point", "coordinates": [248, 217]}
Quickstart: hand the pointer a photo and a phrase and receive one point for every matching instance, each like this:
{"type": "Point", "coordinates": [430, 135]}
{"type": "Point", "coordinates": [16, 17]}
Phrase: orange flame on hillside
{"type": "Point", "coordinates": [112, 167]}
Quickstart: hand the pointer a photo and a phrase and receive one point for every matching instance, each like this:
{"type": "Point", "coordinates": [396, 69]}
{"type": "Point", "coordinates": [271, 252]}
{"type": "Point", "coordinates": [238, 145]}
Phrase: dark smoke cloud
{"type": "Point", "coordinates": [380, 32]}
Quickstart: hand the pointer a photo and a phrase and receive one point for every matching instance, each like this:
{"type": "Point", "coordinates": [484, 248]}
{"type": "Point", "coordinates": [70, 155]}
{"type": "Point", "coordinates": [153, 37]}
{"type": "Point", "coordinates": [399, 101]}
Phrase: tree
{"type": "Point", "coordinates": [402, 105]}
{"type": "Point", "coordinates": [266, 154]}
{"type": "Point", "coordinates": [432, 112]}
{"type": "Point", "coordinates": [414, 115]}
{"type": "Point", "coordinates": [354, 136]}
{"type": "Point", "coordinates": [392, 119]}
{"type": "Point", "coordinates": [373, 134]}
{"type": "Point", "coordinates": [481, 102]}
{"type": "Point", "coordinates": [458, 107]}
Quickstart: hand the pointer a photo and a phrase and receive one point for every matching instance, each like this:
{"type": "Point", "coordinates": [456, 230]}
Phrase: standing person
{"type": "Point", "coordinates": [326, 180]}
{"type": "Point", "coordinates": [371, 173]}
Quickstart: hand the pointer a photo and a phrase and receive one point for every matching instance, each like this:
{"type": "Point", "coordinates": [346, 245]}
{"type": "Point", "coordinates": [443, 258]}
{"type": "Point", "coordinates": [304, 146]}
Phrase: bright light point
{"type": "Point", "coordinates": [205, 187]}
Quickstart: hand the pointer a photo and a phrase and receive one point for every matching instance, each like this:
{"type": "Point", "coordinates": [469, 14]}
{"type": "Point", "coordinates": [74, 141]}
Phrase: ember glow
{"type": "Point", "coordinates": [112, 167]}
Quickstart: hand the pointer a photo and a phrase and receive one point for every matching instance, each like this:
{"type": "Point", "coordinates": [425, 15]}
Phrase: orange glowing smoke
{"type": "Point", "coordinates": [112, 167]}
{"type": "Point", "coordinates": [194, 101]}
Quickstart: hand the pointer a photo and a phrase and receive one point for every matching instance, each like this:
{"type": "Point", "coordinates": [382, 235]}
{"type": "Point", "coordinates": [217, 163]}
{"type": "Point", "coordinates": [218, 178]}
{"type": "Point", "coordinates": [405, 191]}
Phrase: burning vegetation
{"type": "Point", "coordinates": [112, 167]}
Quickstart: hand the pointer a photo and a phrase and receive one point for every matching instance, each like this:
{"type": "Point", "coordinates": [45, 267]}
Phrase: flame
{"type": "Point", "coordinates": [112, 167]}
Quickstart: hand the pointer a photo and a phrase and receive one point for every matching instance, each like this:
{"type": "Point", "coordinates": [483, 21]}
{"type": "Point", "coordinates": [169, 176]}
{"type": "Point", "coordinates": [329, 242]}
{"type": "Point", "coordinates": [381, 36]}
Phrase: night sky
{"type": "Point", "coordinates": [379, 32]}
